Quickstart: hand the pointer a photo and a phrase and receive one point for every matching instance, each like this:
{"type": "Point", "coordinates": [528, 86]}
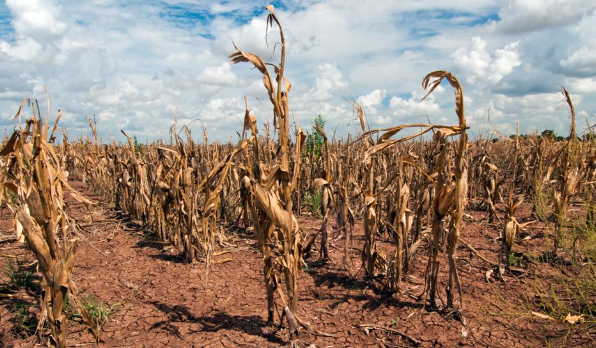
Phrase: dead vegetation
{"type": "Point", "coordinates": [413, 191]}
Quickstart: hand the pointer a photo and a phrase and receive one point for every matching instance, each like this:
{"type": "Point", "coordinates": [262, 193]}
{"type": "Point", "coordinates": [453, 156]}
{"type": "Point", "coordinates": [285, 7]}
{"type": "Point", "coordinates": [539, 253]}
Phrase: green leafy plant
{"type": "Point", "coordinates": [19, 277]}
{"type": "Point", "coordinates": [315, 141]}
{"type": "Point", "coordinates": [560, 300]}
{"type": "Point", "coordinates": [306, 268]}
{"type": "Point", "coordinates": [565, 296]}
{"type": "Point", "coordinates": [137, 145]}
{"type": "Point", "coordinates": [581, 240]}
{"type": "Point", "coordinates": [98, 311]}
{"type": "Point", "coordinates": [514, 260]}
{"type": "Point", "coordinates": [313, 201]}
{"type": "Point", "coordinates": [70, 311]}
{"type": "Point", "coordinates": [22, 319]}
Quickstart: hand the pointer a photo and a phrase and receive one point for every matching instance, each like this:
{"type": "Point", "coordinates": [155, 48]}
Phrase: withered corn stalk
{"type": "Point", "coordinates": [449, 200]}
{"type": "Point", "coordinates": [32, 172]}
{"type": "Point", "coordinates": [345, 216]}
{"type": "Point", "coordinates": [402, 223]}
{"type": "Point", "coordinates": [490, 190]}
{"type": "Point", "coordinates": [212, 200]}
{"type": "Point", "coordinates": [371, 258]}
{"type": "Point", "coordinates": [176, 190]}
{"type": "Point", "coordinates": [568, 179]}
{"type": "Point", "coordinates": [451, 197]}
{"type": "Point", "coordinates": [511, 226]}
{"type": "Point", "coordinates": [271, 188]}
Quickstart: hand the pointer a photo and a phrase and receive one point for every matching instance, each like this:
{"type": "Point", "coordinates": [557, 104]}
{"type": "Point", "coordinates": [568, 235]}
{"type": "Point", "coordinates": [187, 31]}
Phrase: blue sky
{"type": "Point", "coordinates": [136, 65]}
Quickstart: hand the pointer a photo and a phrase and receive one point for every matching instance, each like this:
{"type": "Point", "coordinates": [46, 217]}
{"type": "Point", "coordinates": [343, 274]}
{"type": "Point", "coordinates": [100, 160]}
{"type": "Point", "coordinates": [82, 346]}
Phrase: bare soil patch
{"type": "Point", "coordinates": [159, 300]}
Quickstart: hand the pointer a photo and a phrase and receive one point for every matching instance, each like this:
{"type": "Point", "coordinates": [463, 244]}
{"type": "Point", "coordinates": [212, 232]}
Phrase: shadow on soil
{"type": "Point", "coordinates": [251, 324]}
{"type": "Point", "coordinates": [331, 278]}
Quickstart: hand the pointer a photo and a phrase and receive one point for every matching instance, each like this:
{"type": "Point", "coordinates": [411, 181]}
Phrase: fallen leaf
{"type": "Point", "coordinates": [488, 274]}
{"type": "Point", "coordinates": [572, 319]}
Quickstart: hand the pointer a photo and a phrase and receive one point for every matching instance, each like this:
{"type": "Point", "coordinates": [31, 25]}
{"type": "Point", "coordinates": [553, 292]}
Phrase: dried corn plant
{"type": "Point", "coordinates": [490, 190]}
{"type": "Point", "coordinates": [272, 186]}
{"type": "Point", "coordinates": [511, 227]}
{"type": "Point", "coordinates": [345, 215]}
{"type": "Point", "coordinates": [425, 194]}
{"type": "Point", "coordinates": [569, 178]}
{"type": "Point", "coordinates": [406, 190]}
{"type": "Point", "coordinates": [209, 213]}
{"type": "Point", "coordinates": [34, 175]}
{"type": "Point", "coordinates": [450, 177]}
{"type": "Point", "coordinates": [402, 222]}
{"type": "Point", "coordinates": [181, 191]}
{"type": "Point", "coordinates": [135, 179]}
{"type": "Point", "coordinates": [449, 200]}
{"type": "Point", "coordinates": [371, 257]}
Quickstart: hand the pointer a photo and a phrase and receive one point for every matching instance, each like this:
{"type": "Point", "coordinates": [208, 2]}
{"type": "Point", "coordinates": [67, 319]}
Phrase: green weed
{"type": "Point", "coordinates": [22, 319]}
{"type": "Point", "coordinates": [313, 201]}
{"type": "Point", "coordinates": [315, 140]}
{"type": "Point", "coordinates": [98, 311]}
{"type": "Point", "coordinates": [138, 146]}
{"type": "Point", "coordinates": [540, 200]}
{"type": "Point", "coordinates": [569, 295]}
{"type": "Point", "coordinates": [514, 260]}
{"type": "Point", "coordinates": [19, 277]}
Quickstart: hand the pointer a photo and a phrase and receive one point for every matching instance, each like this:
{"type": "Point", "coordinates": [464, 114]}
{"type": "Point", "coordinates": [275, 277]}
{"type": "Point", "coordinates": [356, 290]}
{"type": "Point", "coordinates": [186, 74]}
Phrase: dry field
{"type": "Point", "coordinates": [409, 236]}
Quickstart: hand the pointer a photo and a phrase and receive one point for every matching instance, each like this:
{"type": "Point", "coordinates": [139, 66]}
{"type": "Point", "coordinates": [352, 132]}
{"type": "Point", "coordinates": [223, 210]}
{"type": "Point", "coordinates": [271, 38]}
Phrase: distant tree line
{"type": "Point", "coordinates": [548, 133]}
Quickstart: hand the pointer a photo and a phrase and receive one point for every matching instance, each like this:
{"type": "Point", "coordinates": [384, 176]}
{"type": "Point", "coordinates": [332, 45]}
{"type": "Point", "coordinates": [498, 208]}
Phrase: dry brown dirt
{"type": "Point", "coordinates": [160, 300]}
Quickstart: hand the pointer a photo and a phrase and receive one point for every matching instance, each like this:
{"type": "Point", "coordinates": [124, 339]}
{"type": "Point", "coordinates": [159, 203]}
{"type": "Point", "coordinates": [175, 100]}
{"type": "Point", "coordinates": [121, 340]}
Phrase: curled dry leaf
{"type": "Point", "coordinates": [573, 319]}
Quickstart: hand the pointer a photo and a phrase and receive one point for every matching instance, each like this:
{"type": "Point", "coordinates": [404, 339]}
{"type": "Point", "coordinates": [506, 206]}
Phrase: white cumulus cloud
{"type": "Point", "coordinates": [413, 107]}
{"type": "Point", "coordinates": [479, 67]}
{"type": "Point", "coordinates": [581, 63]}
{"type": "Point", "coordinates": [219, 75]}
{"type": "Point", "coordinates": [518, 16]}
{"type": "Point", "coordinates": [134, 64]}
{"type": "Point", "coordinates": [374, 98]}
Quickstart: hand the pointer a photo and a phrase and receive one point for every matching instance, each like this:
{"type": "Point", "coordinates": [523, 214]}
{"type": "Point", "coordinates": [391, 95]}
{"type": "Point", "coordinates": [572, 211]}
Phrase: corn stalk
{"type": "Point", "coordinates": [272, 188]}
{"type": "Point", "coordinates": [33, 174]}
{"type": "Point", "coordinates": [449, 200]}
{"type": "Point", "coordinates": [569, 179]}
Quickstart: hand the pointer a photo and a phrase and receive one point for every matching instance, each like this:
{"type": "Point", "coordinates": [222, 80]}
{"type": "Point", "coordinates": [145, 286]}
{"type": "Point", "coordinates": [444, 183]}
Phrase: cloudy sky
{"type": "Point", "coordinates": [134, 64]}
